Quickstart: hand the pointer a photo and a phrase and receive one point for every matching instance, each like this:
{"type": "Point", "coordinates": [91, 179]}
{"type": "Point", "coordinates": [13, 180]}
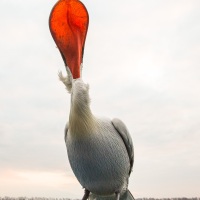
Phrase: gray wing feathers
{"type": "Point", "coordinates": [66, 130]}
{"type": "Point", "coordinates": [124, 133]}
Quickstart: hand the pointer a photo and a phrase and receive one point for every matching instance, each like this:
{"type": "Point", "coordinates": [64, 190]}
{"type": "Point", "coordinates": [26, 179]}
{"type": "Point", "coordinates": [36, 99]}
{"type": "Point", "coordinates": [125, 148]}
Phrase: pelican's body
{"type": "Point", "coordinates": [99, 158]}
{"type": "Point", "coordinates": [100, 151]}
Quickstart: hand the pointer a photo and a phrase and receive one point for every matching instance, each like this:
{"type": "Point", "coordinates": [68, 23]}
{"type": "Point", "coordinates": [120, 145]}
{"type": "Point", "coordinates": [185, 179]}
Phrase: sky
{"type": "Point", "coordinates": [142, 62]}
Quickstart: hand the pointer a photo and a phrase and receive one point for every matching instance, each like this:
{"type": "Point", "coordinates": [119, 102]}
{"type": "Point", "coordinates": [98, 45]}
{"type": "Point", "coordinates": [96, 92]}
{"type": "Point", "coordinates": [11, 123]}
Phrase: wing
{"type": "Point", "coordinates": [66, 130]}
{"type": "Point", "coordinates": [123, 132]}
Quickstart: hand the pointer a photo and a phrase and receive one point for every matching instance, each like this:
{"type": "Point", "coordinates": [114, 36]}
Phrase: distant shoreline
{"type": "Point", "coordinates": [45, 198]}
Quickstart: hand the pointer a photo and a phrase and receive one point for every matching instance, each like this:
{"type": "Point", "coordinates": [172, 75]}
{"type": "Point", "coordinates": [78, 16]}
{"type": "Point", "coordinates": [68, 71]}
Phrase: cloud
{"type": "Point", "coordinates": [43, 183]}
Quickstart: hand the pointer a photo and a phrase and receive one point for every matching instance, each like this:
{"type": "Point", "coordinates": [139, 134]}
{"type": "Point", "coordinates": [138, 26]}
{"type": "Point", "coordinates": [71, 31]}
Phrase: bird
{"type": "Point", "coordinates": [100, 150]}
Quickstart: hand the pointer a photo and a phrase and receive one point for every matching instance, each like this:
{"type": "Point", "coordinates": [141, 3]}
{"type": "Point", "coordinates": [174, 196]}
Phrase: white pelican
{"type": "Point", "coordinates": [100, 150]}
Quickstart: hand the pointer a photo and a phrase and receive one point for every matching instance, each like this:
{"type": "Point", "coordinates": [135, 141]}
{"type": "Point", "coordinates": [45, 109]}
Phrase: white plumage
{"type": "Point", "coordinates": [100, 150]}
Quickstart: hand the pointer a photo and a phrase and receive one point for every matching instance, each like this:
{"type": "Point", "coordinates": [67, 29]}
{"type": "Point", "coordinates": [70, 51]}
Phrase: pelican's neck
{"type": "Point", "coordinates": [81, 119]}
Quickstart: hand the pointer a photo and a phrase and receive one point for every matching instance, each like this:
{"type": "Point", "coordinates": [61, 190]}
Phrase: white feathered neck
{"type": "Point", "coordinates": [81, 119]}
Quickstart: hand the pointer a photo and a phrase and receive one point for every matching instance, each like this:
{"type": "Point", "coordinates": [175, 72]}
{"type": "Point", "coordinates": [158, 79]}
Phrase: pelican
{"type": "Point", "coordinates": [100, 150]}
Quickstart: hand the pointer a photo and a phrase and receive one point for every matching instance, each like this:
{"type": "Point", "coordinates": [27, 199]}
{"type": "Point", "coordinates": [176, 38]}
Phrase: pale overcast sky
{"type": "Point", "coordinates": [142, 61]}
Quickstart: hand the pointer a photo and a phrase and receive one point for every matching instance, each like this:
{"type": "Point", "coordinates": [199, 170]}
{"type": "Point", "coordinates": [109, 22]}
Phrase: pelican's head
{"type": "Point", "coordinates": [80, 94]}
{"type": "Point", "coordinates": [76, 87]}
{"type": "Point", "coordinates": [80, 90]}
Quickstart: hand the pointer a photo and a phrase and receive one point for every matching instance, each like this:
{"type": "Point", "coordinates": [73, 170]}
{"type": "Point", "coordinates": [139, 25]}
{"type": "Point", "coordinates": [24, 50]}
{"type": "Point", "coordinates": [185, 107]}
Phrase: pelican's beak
{"type": "Point", "coordinates": [68, 24]}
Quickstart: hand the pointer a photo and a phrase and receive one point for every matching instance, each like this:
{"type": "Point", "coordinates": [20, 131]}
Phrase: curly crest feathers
{"type": "Point", "coordinates": [67, 80]}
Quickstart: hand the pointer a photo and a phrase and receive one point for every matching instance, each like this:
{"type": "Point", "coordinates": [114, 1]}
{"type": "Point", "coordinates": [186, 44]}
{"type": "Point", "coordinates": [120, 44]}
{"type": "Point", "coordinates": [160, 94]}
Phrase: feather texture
{"type": "Point", "coordinates": [100, 150]}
